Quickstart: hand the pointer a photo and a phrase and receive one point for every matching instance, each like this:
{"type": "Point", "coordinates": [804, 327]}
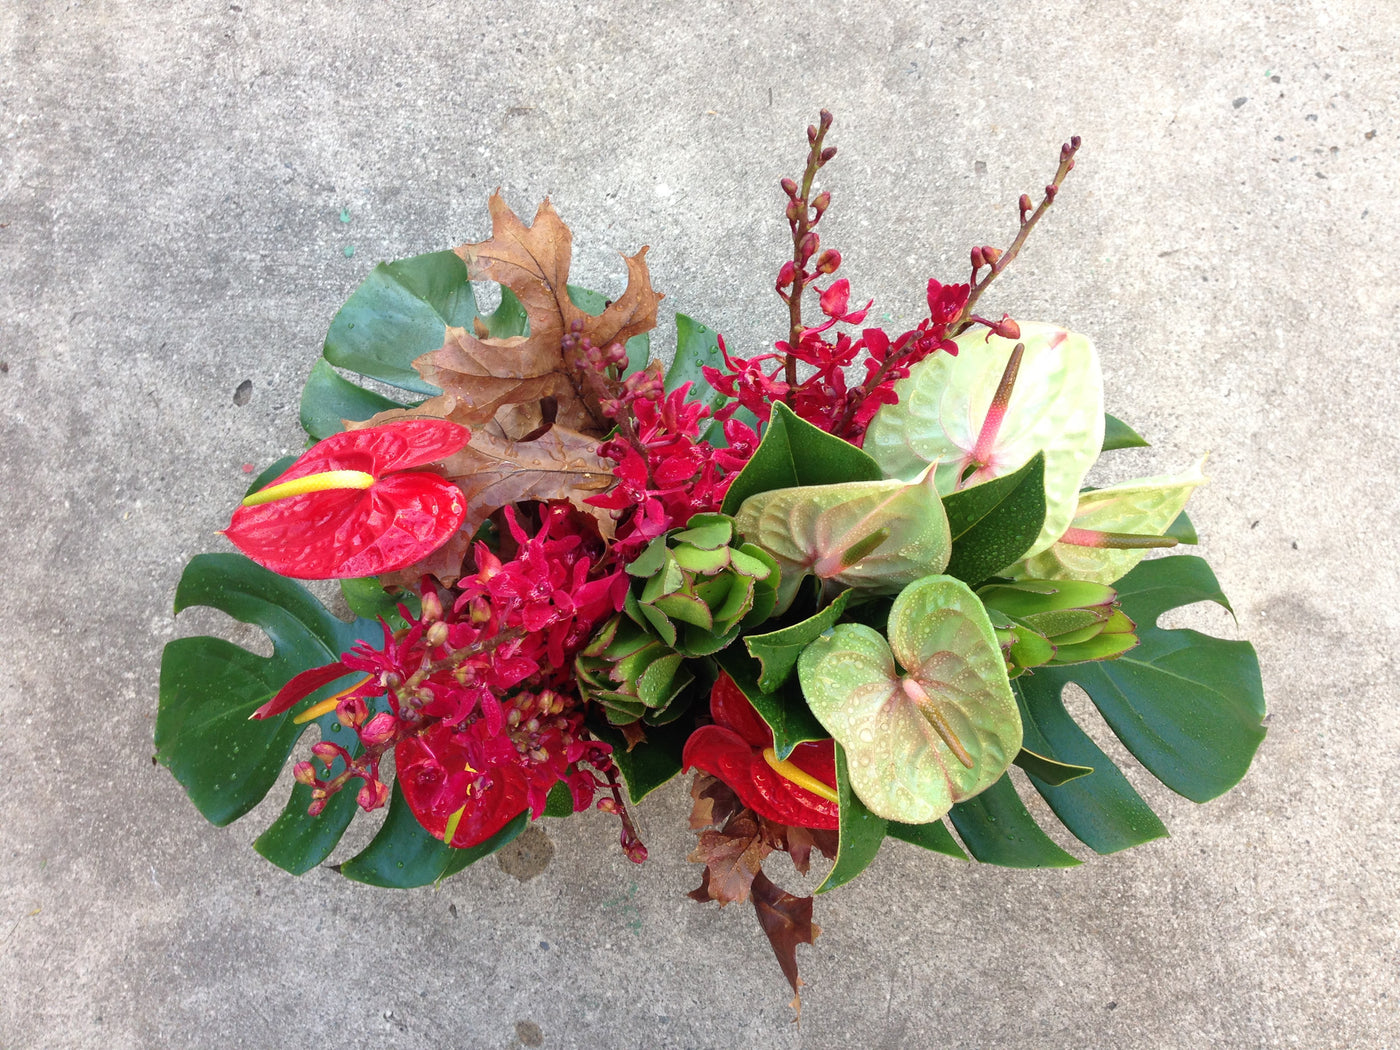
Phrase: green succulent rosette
{"type": "Point", "coordinates": [693, 591]}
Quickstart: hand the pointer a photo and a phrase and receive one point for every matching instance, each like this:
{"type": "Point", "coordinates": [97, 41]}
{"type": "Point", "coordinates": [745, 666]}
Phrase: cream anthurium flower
{"type": "Point", "coordinates": [985, 413]}
{"type": "Point", "coordinates": [872, 536]}
{"type": "Point", "coordinates": [1112, 529]}
{"type": "Point", "coordinates": [927, 718]}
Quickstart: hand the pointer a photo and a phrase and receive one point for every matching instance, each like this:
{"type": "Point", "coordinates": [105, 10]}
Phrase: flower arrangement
{"type": "Point", "coordinates": [845, 582]}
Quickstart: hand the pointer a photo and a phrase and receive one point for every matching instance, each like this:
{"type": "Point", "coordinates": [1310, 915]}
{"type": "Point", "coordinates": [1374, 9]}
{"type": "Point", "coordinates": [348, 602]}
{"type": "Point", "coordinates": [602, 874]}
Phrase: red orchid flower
{"type": "Point", "coordinates": [462, 787]}
{"type": "Point", "coordinates": [353, 505]}
{"type": "Point", "coordinates": [738, 749]}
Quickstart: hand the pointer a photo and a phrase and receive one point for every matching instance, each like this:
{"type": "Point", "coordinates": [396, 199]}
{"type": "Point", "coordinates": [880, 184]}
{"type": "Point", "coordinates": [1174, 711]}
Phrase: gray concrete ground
{"type": "Point", "coordinates": [172, 179]}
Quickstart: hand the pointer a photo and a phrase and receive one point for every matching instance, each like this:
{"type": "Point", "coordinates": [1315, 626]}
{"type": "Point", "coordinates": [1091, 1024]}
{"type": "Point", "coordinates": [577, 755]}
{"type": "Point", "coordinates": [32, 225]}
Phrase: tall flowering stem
{"type": "Point", "coordinates": [803, 214]}
{"type": "Point", "coordinates": [993, 259]}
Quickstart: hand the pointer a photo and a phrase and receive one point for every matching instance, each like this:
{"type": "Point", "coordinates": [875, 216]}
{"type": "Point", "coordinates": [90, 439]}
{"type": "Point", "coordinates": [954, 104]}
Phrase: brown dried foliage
{"type": "Point", "coordinates": [532, 408]}
{"type": "Point", "coordinates": [733, 844]}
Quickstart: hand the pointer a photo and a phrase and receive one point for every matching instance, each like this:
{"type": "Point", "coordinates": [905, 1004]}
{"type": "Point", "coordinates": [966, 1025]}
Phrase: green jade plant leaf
{"type": "Point", "coordinates": [942, 730]}
{"type": "Point", "coordinates": [1120, 515]}
{"type": "Point", "coordinates": [974, 418]}
{"type": "Point", "coordinates": [874, 537]}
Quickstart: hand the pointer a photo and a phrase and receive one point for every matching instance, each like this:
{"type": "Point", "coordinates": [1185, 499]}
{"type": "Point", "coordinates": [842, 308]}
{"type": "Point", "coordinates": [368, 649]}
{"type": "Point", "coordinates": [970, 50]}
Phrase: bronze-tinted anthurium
{"type": "Point", "coordinates": [355, 505]}
{"type": "Point", "coordinates": [798, 791]}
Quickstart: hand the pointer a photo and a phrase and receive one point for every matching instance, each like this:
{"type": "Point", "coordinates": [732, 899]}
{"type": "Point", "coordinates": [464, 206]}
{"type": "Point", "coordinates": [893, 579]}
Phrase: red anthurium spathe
{"type": "Point", "coordinates": [353, 505]}
{"type": "Point", "coordinates": [738, 749]}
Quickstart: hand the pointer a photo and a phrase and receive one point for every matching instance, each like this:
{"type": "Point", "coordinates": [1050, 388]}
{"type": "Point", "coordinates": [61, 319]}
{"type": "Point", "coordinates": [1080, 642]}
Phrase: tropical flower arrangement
{"type": "Point", "coordinates": [844, 582]}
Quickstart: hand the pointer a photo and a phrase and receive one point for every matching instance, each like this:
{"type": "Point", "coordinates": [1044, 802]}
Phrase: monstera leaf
{"type": "Point", "coordinates": [226, 762]}
{"type": "Point", "coordinates": [946, 417]}
{"type": "Point", "coordinates": [941, 730]}
{"type": "Point", "coordinates": [1190, 707]}
{"type": "Point", "coordinates": [872, 536]}
{"type": "Point", "coordinates": [1142, 507]}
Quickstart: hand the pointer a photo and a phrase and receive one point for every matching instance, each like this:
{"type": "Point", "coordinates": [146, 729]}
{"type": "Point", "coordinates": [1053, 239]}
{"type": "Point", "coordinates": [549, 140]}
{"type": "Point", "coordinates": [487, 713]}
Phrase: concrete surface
{"type": "Point", "coordinates": [172, 178]}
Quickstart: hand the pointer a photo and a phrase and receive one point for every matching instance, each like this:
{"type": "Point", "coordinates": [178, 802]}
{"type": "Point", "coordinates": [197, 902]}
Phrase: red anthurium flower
{"type": "Point", "coordinates": [353, 505]}
{"type": "Point", "coordinates": [738, 749]}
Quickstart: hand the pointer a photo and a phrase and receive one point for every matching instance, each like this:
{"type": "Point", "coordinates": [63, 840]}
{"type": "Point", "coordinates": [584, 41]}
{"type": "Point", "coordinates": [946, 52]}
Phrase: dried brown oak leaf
{"type": "Point", "coordinates": [732, 857]}
{"type": "Point", "coordinates": [486, 374]}
{"type": "Point", "coordinates": [787, 920]}
{"type": "Point", "coordinates": [499, 387]}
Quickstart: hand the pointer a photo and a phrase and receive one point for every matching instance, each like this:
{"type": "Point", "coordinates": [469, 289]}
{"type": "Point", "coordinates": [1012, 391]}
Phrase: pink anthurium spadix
{"type": "Point", "coordinates": [354, 505]}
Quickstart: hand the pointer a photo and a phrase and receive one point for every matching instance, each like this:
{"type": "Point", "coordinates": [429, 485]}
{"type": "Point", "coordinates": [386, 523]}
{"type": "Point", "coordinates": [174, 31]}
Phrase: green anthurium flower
{"type": "Point", "coordinates": [986, 412]}
{"type": "Point", "coordinates": [871, 536]}
{"type": "Point", "coordinates": [1112, 529]}
{"type": "Point", "coordinates": [927, 718]}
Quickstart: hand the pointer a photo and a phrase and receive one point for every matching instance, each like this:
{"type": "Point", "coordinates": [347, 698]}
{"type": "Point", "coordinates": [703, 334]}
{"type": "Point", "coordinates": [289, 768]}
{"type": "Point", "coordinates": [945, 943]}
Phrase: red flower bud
{"type": "Point", "coordinates": [790, 188]}
{"type": "Point", "coordinates": [373, 795]}
{"type": "Point", "coordinates": [325, 751]}
{"type": "Point", "coordinates": [978, 260]}
{"type": "Point", "coordinates": [352, 711]}
{"type": "Point", "coordinates": [829, 262]}
{"type": "Point", "coordinates": [379, 730]}
{"type": "Point", "coordinates": [821, 202]}
{"type": "Point", "coordinates": [786, 274]}
{"type": "Point", "coordinates": [436, 635]}
{"type": "Point", "coordinates": [304, 773]}
{"type": "Point", "coordinates": [991, 254]}
{"type": "Point", "coordinates": [827, 154]}
{"type": "Point", "coordinates": [808, 246]}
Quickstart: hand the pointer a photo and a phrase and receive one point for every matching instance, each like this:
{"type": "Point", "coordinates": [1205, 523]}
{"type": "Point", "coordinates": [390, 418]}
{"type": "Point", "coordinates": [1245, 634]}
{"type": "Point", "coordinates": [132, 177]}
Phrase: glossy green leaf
{"type": "Point", "coordinates": [1182, 530]}
{"type": "Point", "coordinates": [794, 453]}
{"type": "Point", "coordinates": [1056, 407]}
{"type": "Point", "coordinates": [935, 836]}
{"type": "Point", "coordinates": [860, 834]}
{"type": "Point", "coordinates": [777, 651]}
{"type": "Point", "coordinates": [997, 828]}
{"type": "Point", "coordinates": [1142, 507]}
{"type": "Point", "coordinates": [993, 524]}
{"type": "Point", "coordinates": [941, 731]}
{"type": "Point", "coordinates": [560, 801]}
{"type": "Point", "coordinates": [647, 766]}
{"type": "Point", "coordinates": [296, 841]}
{"type": "Point", "coordinates": [1101, 809]}
{"type": "Point", "coordinates": [401, 312]}
{"type": "Point", "coordinates": [368, 599]}
{"type": "Point", "coordinates": [403, 855]}
{"type": "Point", "coordinates": [1190, 707]}
{"type": "Point", "coordinates": [1050, 770]}
{"type": "Point", "coordinates": [209, 687]}
{"type": "Point", "coordinates": [1117, 434]}
{"type": "Point", "coordinates": [328, 399]}
{"type": "Point", "coordinates": [784, 709]}
{"type": "Point", "coordinates": [874, 537]}
{"type": "Point", "coordinates": [696, 347]}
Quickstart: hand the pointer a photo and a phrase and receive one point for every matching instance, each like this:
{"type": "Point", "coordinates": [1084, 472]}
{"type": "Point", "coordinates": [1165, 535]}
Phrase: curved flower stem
{"type": "Point", "coordinates": [1004, 259]}
{"type": "Point", "coordinates": [800, 221]}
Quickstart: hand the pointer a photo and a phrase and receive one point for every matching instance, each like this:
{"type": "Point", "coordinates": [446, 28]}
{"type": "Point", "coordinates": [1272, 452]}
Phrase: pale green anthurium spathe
{"type": "Point", "coordinates": [874, 537]}
{"type": "Point", "coordinates": [1141, 507]}
{"type": "Point", "coordinates": [941, 731]}
{"type": "Point", "coordinates": [1056, 406]}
